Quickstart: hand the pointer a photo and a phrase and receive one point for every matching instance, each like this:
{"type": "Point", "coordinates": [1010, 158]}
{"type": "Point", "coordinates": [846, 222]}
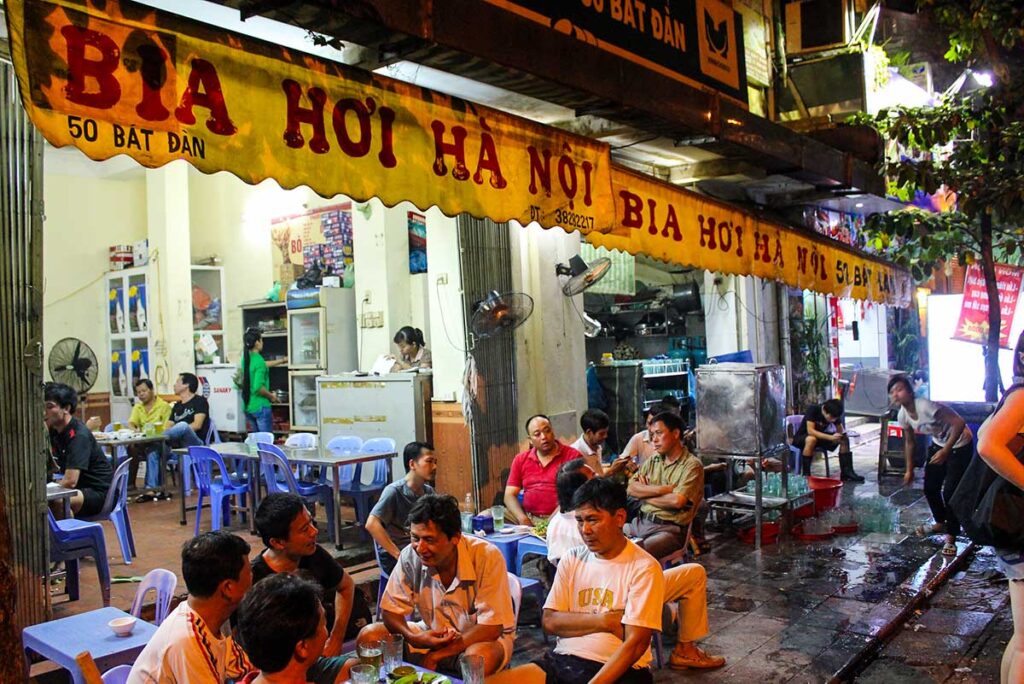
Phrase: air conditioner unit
{"type": "Point", "coordinates": [813, 25]}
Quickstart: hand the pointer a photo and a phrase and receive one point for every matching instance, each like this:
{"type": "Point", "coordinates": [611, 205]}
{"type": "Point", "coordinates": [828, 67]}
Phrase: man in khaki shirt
{"type": "Point", "coordinates": [671, 485]}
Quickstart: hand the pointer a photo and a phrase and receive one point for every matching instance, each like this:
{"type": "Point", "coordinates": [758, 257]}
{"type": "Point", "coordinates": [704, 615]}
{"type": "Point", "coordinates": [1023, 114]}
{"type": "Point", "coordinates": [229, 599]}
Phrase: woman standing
{"type": "Point", "coordinates": [948, 456]}
{"type": "Point", "coordinates": [256, 394]}
{"type": "Point", "coordinates": [998, 439]}
{"type": "Point", "coordinates": [412, 350]}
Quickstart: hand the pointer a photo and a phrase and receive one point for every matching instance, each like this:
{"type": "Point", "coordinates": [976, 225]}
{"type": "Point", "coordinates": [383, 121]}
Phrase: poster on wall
{"type": "Point", "coordinates": [417, 243]}
{"type": "Point", "coordinates": [322, 235]}
{"type": "Point", "coordinates": [973, 323]}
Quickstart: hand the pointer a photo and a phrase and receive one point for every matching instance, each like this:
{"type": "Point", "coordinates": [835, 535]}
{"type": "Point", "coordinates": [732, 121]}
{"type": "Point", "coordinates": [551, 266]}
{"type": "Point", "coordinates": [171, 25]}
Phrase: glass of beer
{"type": "Point", "coordinates": [371, 653]}
{"type": "Point", "coordinates": [498, 513]}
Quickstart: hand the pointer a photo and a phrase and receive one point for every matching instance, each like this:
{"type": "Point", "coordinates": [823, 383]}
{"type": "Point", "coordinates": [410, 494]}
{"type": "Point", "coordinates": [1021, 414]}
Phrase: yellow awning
{"type": "Point", "coordinates": [121, 78]}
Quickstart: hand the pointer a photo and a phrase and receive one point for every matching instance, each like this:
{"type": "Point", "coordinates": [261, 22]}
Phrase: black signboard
{"type": "Point", "coordinates": [694, 41]}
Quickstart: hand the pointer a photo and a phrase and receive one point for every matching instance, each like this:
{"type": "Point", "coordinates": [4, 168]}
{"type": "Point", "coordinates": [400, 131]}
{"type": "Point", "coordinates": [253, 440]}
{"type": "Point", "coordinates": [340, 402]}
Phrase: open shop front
{"type": "Point", "coordinates": [347, 149]}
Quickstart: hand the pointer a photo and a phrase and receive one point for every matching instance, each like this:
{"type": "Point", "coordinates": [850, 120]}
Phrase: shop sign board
{"type": "Point", "coordinates": [113, 77]}
{"type": "Point", "coordinates": [667, 222]}
{"type": "Point", "coordinates": [973, 323]}
{"type": "Point", "coordinates": [698, 42]}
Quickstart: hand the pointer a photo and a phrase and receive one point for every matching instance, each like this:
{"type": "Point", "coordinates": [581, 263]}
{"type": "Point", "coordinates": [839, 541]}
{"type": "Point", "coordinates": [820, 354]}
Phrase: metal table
{"type": "Point", "coordinates": [137, 439]}
{"type": "Point", "coordinates": [731, 503]}
{"type": "Point", "coordinates": [62, 640]}
{"type": "Point", "coordinates": [315, 456]}
{"type": "Point", "coordinates": [54, 492]}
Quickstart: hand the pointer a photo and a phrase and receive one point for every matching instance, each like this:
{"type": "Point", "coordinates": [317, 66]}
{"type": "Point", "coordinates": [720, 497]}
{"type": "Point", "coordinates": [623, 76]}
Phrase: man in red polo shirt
{"type": "Point", "coordinates": [534, 471]}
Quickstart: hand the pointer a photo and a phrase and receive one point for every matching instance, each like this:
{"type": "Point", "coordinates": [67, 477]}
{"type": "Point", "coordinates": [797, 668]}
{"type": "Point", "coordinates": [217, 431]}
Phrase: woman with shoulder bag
{"type": "Point", "coordinates": [1001, 438]}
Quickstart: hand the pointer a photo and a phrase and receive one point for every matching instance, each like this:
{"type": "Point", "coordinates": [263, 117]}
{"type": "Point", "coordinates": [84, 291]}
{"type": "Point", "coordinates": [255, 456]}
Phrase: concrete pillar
{"type": "Point", "coordinates": [447, 325]}
{"type": "Point", "coordinates": [380, 244]}
{"type": "Point", "coordinates": [167, 214]}
{"type": "Point", "coordinates": [550, 351]}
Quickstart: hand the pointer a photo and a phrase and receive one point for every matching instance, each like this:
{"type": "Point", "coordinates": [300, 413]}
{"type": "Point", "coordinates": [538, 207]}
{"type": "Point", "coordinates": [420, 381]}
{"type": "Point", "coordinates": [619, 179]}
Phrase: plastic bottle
{"type": "Point", "coordinates": [467, 513]}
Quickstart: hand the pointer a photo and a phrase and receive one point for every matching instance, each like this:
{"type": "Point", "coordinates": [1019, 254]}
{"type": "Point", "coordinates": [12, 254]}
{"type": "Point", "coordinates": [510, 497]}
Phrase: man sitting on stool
{"type": "Point", "coordinates": [811, 435]}
{"type": "Point", "coordinates": [671, 487]}
{"type": "Point", "coordinates": [458, 584]}
{"type": "Point", "coordinates": [686, 584]}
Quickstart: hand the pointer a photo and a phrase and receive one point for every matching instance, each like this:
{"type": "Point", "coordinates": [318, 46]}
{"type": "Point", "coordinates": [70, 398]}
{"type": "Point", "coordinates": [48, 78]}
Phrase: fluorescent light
{"type": "Point", "coordinates": [982, 78]}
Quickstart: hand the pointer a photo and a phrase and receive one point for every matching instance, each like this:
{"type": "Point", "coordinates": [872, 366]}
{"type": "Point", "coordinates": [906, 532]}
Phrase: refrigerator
{"type": "Point", "coordinates": [321, 340]}
{"type": "Point", "coordinates": [217, 384]}
{"type": "Point", "coordinates": [396, 405]}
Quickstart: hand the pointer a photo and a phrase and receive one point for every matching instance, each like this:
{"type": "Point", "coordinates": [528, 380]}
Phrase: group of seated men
{"type": "Point", "coordinates": [81, 462]}
{"type": "Point", "coordinates": [447, 593]}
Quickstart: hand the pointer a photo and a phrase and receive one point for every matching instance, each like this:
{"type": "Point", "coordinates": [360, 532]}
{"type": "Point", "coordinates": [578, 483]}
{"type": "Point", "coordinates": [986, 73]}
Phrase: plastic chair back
{"type": "Point", "coordinates": [344, 443]}
{"type": "Point", "coordinates": [380, 473]}
{"type": "Point", "coordinates": [212, 436]}
{"type": "Point", "coordinates": [203, 461]}
{"type": "Point", "coordinates": [276, 472]}
{"type": "Point", "coordinates": [117, 493]}
{"type": "Point", "coordinates": [259, 438]}
{"type": "Point", "coordinates": [117, 675]}
{"type": "Point", "coordinates": [378, 445]}
{"type": "Point", "coordinates": [792, 425]}
{"type": "Point", "coordinates": [161, 581]}
{"type": "Point", "coordinates": [301, 440]}
{"type": "Point", "coordinates": [516, 589]}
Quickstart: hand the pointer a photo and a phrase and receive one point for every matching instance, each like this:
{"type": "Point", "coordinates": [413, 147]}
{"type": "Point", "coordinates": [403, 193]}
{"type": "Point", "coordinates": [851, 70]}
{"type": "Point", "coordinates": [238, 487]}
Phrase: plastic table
{"type": "Point", "coordinates": [529, 545]}
{"type": "Point", "coordinates": [61, 640]}
{"type": "Point", "coordinates": [507, 544]}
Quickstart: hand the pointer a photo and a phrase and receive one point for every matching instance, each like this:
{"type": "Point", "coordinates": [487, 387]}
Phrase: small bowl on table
{"type": "Point", "coordinates": [122, 626]}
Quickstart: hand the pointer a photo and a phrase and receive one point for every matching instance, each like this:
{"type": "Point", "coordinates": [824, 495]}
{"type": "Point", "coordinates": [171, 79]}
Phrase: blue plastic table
{"type": "Point", "coordinates": [507, 544]}
{"type": "Point", "coordinates": [529, 545]}
{"type": "Point", "coordinates": [61, 640]}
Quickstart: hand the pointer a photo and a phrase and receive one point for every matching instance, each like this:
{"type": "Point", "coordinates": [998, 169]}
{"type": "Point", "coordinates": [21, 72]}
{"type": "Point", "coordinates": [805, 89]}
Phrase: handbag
{"type": "Point", "coordinates": [991, 509]}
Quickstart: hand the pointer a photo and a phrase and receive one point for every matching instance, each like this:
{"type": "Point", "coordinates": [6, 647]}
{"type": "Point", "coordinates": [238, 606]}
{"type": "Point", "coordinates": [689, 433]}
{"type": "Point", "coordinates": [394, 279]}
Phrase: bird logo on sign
{"type": "Point", "coordinates": [717, 34]}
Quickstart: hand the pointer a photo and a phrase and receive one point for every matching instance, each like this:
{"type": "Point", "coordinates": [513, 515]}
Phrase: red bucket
{"type": "Point", "coordinates": [805, 511]}
{"type": "Point", "coordinates": [826, 492]}
{"type": "Point", "coordinates": [769, 533]}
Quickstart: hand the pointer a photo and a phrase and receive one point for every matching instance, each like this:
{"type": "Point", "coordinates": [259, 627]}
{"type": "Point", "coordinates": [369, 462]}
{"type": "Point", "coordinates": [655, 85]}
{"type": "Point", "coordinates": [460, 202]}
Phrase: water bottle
{"type": "Point", "coordinates": [467, 514]}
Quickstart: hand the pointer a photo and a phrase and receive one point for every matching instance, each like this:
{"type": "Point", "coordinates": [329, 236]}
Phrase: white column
{"type": "Point", "coordinates": [167, 213]}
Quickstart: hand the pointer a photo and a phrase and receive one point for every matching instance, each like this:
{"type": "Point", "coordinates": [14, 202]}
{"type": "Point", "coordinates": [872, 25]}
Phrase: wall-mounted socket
{"type": "Point", "coordinates": [442, 278]}
{"type": "Point", "coordinates": [366, 297]}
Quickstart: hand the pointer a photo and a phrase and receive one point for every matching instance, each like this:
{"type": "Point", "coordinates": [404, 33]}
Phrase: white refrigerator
{"type": "Point", "coordinates": [217, 384]}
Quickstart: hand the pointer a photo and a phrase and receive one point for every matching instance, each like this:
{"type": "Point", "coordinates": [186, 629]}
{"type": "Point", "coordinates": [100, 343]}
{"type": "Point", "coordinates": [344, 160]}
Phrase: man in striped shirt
{"type": "Point", "coordinates": [192, 644]}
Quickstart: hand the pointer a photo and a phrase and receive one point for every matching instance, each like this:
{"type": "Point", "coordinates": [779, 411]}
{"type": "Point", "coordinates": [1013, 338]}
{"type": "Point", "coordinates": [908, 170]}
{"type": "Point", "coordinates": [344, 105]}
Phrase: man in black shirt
{"type": "Point", "coordinates": [812, 434]}
{"type": "Point", "coordinates": [78, 456]}
{"type": "Point", "coordinates": [289, 533]}
{"type": "Point", "coordinates": [188, 425]}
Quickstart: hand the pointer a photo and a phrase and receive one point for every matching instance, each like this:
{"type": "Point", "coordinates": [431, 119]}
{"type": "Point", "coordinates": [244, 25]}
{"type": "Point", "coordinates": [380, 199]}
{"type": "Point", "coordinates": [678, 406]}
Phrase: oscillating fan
{"type": "Point", "coordinates": [581, 275]}
{"type": "Point", "coordinates": [73, 363]}
{"type": "Point", "coordinates": [500, 312]}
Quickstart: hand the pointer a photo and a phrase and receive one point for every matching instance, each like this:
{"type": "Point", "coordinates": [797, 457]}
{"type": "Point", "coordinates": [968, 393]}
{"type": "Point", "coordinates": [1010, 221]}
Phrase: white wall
{"type": "Point", "coordinates": [446, 320]}
{"type": "Point", "coordinates": [84, 216]}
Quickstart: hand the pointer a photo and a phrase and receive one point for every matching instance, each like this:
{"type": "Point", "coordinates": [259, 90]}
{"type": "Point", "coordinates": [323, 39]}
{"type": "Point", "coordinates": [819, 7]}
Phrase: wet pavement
{"type": "Point", "coordinates": [957, 638]}
{"type": "Point", "coordinates": [801, 611]}
{"type": "Point", "coordinates": [794, 612]}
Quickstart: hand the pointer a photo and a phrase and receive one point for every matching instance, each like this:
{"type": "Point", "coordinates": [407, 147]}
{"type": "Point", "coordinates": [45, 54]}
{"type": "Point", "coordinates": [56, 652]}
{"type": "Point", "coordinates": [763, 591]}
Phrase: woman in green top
{"type": "Point", "coordinates": [256, 393]}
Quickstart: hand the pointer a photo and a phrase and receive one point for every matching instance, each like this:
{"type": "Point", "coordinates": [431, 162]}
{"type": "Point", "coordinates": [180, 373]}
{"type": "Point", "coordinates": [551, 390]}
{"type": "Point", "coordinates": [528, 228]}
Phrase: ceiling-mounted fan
{"type": "Point", "coordinates": [581, 274]}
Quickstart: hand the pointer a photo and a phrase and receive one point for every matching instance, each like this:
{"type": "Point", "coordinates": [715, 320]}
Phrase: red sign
{"type": "Point", "coordinates": [973, 324]}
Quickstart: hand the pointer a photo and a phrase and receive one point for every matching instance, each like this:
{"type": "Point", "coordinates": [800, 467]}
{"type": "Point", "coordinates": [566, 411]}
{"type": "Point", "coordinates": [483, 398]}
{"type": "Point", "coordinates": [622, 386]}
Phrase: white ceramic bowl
{"type": "Point", "coordinates": [122, 626]}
